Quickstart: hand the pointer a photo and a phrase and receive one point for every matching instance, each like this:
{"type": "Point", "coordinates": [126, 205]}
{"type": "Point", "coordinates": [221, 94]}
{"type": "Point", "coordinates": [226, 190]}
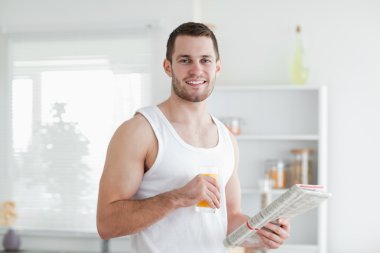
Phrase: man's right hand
{"type": "Point", "coordinates": [199, 188]}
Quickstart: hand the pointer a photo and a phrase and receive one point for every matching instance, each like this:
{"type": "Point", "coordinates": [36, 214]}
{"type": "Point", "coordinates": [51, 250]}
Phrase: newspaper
{"type": "Point", "coordinates": [299, 199]}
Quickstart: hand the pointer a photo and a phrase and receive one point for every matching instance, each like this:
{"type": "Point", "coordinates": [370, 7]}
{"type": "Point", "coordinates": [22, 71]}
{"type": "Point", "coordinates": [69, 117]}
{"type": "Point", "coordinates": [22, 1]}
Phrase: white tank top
{"type": "Point", "coordinates": [183, 230]}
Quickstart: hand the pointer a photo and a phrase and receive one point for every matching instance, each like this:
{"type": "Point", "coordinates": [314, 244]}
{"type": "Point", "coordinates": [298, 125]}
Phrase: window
{"type": "Point", "coordinates": [68, 97]}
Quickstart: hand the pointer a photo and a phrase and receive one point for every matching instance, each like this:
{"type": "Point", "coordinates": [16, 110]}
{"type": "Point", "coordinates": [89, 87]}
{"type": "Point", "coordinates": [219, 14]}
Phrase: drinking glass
{"type": "Point", "coordinates": [213, 172]}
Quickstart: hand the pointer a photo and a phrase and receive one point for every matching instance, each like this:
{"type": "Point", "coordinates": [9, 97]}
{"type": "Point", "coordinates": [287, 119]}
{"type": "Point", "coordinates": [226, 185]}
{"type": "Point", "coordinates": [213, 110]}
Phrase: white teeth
{"type": "Point", "coordinates": [195, 82]}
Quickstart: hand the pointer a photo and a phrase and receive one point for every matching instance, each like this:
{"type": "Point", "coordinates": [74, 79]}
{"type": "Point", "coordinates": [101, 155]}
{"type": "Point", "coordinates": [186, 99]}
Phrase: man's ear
{"type": "Point", "coordinates": [168, 67]}
{"type": "Point", "coordinates": [218, 66]}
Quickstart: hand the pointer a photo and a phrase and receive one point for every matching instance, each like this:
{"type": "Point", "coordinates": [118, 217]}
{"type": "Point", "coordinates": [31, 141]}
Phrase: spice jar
{"type": "Point", "coordinates": [302, 171]}
{"type": "Point", "coordinates": [276, 172]}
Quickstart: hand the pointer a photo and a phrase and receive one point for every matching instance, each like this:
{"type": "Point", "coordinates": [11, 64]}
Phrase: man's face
{"type": "Point", "coordinates": [193, 68]}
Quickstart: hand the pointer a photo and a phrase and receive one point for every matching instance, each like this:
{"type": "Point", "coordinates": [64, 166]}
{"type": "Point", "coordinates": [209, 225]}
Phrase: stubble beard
{"type": "Point", "coordinates": [182, 93]}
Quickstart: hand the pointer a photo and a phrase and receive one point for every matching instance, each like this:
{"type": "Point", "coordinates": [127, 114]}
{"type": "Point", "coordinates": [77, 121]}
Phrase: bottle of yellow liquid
{"type": "Point", "coordinates": [299, 73]}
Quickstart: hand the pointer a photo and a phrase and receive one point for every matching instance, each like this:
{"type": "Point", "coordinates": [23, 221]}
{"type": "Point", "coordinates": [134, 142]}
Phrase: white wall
{"type": "Point", "coordinates": [342, 43]}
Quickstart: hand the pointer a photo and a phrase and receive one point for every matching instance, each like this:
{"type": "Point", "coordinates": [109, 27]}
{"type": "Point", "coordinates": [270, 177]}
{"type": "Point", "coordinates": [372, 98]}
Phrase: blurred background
{"type": "Point", "coordinates": [72, 71]}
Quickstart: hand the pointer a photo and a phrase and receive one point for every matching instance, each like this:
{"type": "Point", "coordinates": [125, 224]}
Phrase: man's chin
{"type": "Point", "coordinates": [191, 95]}
{"type": "Point", "coordinates": [194, 99]}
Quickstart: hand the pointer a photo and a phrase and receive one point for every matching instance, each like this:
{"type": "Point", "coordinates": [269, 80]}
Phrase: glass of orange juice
{"type": "Point", "coordinates": [209, 171]}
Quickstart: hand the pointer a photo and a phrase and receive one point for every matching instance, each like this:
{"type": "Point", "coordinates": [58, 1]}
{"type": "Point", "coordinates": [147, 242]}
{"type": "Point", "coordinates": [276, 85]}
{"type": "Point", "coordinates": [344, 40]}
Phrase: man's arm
{"type": "Point", "coordinates": [233, 195]}
{"type": "Point", "coordinates": [273, 235]}
{"type": "Point", "coordinates": [132, 146]}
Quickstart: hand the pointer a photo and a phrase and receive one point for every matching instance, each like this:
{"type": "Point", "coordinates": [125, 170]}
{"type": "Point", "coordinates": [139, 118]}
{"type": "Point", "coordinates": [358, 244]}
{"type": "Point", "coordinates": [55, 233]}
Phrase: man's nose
{"type": "Point", "coordinates": [196, 68]}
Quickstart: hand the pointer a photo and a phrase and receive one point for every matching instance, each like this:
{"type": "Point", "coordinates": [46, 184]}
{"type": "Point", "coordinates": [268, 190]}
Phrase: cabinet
{"type": "Point", "coordinates": [275, 120]}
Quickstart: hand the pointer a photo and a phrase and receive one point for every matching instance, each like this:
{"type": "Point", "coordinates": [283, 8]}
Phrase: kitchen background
{"type": "Point", "coordinates": [122, 44]}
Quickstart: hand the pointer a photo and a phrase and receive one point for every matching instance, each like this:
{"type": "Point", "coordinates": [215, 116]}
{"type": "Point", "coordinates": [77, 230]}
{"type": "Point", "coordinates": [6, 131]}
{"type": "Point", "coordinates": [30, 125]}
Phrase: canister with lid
{"type": "Point", "coordinates": [301, 169]}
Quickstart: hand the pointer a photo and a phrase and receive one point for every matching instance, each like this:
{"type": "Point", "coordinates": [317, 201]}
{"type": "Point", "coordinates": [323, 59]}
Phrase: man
{"type": "Point", "coordinates": [151, 181]}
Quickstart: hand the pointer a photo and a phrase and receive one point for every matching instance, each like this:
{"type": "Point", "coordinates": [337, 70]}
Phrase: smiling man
{"type": "Point", "coordinates": [152, 180]}
{"type": "Point", "coordinates": [196, 64]}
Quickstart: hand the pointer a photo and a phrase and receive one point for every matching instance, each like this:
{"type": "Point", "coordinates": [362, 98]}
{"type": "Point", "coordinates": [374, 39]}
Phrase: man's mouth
{"type": "Point", "coordinates": [195, 83]}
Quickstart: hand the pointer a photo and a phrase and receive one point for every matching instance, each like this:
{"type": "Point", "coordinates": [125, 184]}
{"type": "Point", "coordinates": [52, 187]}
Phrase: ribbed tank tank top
{"type": "Point", "coordinates": [184, 230]}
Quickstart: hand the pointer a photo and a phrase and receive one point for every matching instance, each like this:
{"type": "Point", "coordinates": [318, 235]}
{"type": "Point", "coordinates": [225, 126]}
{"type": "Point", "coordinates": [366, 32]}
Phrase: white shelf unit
{"type": "Point", "coordinates": [276, 119]}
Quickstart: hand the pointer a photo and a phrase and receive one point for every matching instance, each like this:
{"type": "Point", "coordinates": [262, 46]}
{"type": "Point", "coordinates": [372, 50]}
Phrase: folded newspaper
{"type": "Point", "coordinates": [299, 199]}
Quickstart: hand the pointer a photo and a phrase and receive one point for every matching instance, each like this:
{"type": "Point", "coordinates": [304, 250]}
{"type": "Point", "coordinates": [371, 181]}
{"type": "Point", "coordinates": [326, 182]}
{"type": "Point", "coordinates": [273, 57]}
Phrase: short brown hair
{"type": "Point", "coordinates": [191, 29]}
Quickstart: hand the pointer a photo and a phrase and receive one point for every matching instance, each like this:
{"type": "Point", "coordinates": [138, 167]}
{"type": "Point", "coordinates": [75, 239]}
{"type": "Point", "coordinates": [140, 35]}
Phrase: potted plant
{"type": "Point", "coordinates": [11, 240]}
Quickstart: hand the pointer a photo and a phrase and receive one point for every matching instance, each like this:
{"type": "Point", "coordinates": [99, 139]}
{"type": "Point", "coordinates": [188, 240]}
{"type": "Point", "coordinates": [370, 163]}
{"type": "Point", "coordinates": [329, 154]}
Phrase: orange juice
{"type": "Point", "coordinates": [204, 203]}
{"type": "Point", "coordinates": [203, 206]}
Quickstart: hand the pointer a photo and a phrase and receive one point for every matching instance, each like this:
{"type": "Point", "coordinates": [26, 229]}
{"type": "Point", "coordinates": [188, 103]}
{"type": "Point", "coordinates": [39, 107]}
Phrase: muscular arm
{"type": "Point", "coordinates": [131, 148]}
{"type": "Point", "coordinates": [273, 235]}
{"type": "Point", "coordinates": [233, 195]}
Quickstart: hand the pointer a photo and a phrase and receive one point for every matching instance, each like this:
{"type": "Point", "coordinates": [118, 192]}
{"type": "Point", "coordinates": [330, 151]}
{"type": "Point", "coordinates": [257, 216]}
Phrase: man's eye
{"type": "Point", "coordinates": [184, 61]}
{"type": "Point", "coordinates": [206, 60]}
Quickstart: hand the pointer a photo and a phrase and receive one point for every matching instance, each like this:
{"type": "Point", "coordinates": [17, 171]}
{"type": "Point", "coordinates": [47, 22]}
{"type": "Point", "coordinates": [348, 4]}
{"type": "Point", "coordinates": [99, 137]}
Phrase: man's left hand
{"type": "Point", "coordinates": [273, 235]}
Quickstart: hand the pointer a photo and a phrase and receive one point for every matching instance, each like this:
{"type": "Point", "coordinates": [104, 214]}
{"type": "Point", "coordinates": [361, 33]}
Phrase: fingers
{"type": "Point", "coordinates": [212, 200]}
{"type": "Point", "coordinates": [273, 235]}
{"type": "Point", "coordinates": [278, 230]}
{"type": "Point", "coordinates": [200, 188]}
{"type": "Point", "coordinates": [211, 180]}
{"type": "Point", "coordinates": [269, 243]}
{"type": "Point", "coordinates": [210, 192]}
{"type": "Point", "coordinates": [284, 224]}
{"type": "Point", "coordinates": [213, 186]}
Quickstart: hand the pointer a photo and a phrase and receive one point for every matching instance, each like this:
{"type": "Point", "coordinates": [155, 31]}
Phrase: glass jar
{"type": "Point", "coordinates": [275, 170]}
{"type": "Point", "coordinates": [266, 185]}
{"type": "Point", "coordinates": [302, 170]}
{"type": "Point", "coordinates": [233, 124]}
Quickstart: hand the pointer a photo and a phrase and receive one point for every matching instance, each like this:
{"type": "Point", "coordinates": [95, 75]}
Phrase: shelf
{"type": "Point", "coordinates": [254, 137]}
{"type": "Point", "coordinates": [44, 233]}
{"type": "Point", "coordinates": [247, 191]}
{"type": "Point", "coordinates": [275, 120]}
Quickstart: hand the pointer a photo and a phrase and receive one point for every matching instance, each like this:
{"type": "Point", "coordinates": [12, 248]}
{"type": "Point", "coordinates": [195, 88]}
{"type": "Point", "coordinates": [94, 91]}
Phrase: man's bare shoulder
{"type": "Point", "coordinates": [134, 136]}
{"type": "Point", "coordinates": [130, 144]}
{"type": "Point", "coordinates": [136, 128]}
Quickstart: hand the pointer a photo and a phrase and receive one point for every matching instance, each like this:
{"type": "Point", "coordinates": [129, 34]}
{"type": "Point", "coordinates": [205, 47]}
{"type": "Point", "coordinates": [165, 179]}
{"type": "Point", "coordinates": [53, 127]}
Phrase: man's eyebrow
{"type": "Point", "coordinates": [183, 56]}
{"type": "Point", "coordinates": [188, 56]}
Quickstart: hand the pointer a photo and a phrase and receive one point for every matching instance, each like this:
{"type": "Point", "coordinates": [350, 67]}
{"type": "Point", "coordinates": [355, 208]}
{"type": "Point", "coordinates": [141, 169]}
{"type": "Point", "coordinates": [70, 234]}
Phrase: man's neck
{"type": "Point", "coordinates": [180, 111]}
